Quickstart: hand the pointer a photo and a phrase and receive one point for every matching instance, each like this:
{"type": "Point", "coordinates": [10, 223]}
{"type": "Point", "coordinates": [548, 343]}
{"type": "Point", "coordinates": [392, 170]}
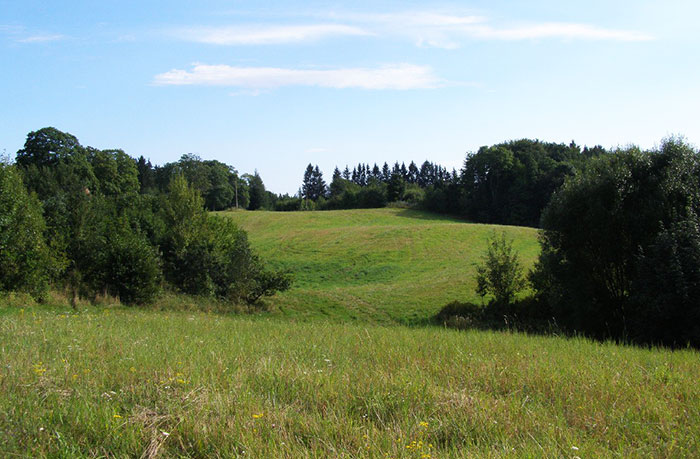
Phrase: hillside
{"type": "Point", "coordinates": [378, 265]}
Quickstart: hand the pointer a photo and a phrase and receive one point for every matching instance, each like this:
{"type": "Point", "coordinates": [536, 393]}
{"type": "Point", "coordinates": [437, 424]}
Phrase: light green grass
{"type": "Point", "coordinates": [122, 383]}
{"type": "Point", "coordinates": [374, 265]}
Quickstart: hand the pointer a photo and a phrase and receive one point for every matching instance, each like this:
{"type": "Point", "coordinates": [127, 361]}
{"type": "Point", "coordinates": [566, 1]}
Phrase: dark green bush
{"type": "Point", "coordinates": [25, 261]}
{"type": "Point", "coordinates": [619, 247]}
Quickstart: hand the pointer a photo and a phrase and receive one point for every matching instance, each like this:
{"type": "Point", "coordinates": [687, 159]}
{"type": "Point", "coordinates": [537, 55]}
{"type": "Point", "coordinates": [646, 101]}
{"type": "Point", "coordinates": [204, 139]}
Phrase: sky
{"type": "Point", "coordinates": [273, 86]}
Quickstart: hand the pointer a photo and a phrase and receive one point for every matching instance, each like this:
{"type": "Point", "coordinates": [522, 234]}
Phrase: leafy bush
{"type": "Point", "coordinates": [619, 247]}
{"type": "Point", "coordinates": [210, 255]}
{"type": "Point", "coordinates": [25, 261]}
{"type": "Point", "coordinates": [500, 273]}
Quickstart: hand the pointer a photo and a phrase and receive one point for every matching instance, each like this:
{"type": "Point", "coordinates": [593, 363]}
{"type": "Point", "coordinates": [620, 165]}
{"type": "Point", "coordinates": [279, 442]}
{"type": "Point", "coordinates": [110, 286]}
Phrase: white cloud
{"type": "Point", "coordinates": [18, 34]}
{"type": "Point", "coordinates": [265, 35]}
{"type": "Point", "coordinates": [449, 30]}
{"type": "Point", "coordinates": [43, 38]}
{"type": "Point", "coordinates": [399, 77]}
{"type": "Point", "coordinates": [413, 18]}
{"type": "Point", "coordinates": [554, 30]}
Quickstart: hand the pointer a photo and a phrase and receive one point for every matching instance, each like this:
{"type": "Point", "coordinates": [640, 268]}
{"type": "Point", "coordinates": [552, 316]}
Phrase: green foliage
{"type": "Point", "coordinates": [413, 194]}
{"type": "Point", "coordinates": [510, 183]}
{"type": "Point", "coordinates": [313, 187]}
{"type": "Point", "coordinates": [664, 300]}
{"type": "Point", "coordinates": [115, 171]}
{"type": "Point", "coordinates": [207, 255]}
{"type": "Point", "coordinates": [605, 230]}
{"type": "Point", "coordinates": [121, 262]}
{"type": "Point", "coordinates": [288, 203]}
{"type": "Point", "coordinates": [25, 261]}
{"type": "Point", "coordinates": [219, 184]}
{"type": "Point", "coordinates": [109, 255]}
{"type": "Point", "coordinates": [107, 237]}
{"type": "Point", "coordinates": [500, 273]}
{"type": "Point", "coordinates": [46, 148]}
{"type": "Point", "coordinates": [257, 197]}
{"type": "Point", "coordinates": [236, 272]}
{"type": "Point", "coordinates": [395, 188]}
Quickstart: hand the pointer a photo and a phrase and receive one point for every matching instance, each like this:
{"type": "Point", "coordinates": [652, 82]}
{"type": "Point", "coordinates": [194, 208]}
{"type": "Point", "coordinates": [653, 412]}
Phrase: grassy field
{"type": "Point", "coordinates": [120, 382]}
{"type": "Point", "coordinates": [174, 381]}
{"type": "Point", "coordinates": [376, 265]}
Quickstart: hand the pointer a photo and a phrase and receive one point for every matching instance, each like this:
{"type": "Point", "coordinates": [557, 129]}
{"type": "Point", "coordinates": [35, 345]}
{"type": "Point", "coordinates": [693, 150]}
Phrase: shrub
{"type": "Point", "coordinates": [25, 261]}
{"type": "Point", "coordinates": [210, 255]}
{"type": "Point", "coordinates": [132, 271]}
{"type": "Point", "coordinates": [620, 245]}
{"type": "Point", "coordinates": [500, 273]}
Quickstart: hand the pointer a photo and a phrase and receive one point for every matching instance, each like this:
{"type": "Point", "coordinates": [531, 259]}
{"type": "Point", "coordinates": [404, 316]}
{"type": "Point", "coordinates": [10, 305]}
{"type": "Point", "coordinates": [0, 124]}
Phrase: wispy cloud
{"type": "Point", "coordinates": [42, 38]}
{"type": "Point", "coordinates": [562, 30]}
{"type": "Point", "coordinates": [266, 35]}
{"type": "Point", "coordinates": [19, 34]}
{"type": "Point", "coordinates": [397, 77]}
{"type": "Point", "coordinates": [442, 29]}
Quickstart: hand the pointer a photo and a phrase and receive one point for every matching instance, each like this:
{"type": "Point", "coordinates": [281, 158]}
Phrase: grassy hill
{"type": "Point", "coordinates": [378, 265]}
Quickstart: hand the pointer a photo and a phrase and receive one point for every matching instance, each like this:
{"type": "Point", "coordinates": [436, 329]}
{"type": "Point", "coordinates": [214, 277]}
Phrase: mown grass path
{"type": "Point", "coordinates": [125, 383]}
{"type": "Point", "coordinates": [374, 265]}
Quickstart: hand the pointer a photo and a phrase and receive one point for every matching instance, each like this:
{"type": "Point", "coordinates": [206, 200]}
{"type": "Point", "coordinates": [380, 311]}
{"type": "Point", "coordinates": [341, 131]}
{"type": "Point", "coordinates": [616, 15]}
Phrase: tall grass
{"type": "Point", "coordinates": [119, 382]}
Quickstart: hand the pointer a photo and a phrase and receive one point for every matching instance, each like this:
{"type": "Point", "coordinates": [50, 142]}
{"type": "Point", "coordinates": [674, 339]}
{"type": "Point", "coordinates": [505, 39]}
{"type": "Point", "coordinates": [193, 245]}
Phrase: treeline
{"type": "Point", "coordinates": [620, 248]}
{"type": "Point", "coordinates": [99, 222]}
{"type": "Point", "coordinates": [507, 183]}
{"type": "Point", "coordinates": [366, 186]}
{"type": "Point", "coordinates": [220, 185]}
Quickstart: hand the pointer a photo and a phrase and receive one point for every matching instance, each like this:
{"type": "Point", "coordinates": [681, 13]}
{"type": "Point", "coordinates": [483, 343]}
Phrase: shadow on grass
{"type": "Point", "coordinates": [417, 214]}
{"type": "Point", "coordinates": [525, 316]}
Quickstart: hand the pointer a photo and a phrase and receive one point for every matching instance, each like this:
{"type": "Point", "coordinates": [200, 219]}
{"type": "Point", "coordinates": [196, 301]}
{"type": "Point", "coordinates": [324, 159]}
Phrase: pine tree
{"type": "Point", "coordinates": [307, 186]}
{"type": "Point", "coordinates": [386, 174]}
{"type": "Point", "coordinates": [319, 185]}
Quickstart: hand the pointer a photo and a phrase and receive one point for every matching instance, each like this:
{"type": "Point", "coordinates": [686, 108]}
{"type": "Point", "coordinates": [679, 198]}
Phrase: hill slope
{"type": "Point", "coordinates": [380, 265]}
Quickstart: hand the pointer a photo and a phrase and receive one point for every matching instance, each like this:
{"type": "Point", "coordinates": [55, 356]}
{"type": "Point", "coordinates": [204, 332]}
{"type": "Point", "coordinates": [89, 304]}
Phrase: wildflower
{"type": "Point", "coordinates": [257, 416]}
{"type": "Point", "coordinates": [423, 424]}
{"type": "Point", "coordinates": [39, 368]}
{"type": "Point", "coordinates": [116, 416]}
{"type": "Point", "coordinates": [165, 434]}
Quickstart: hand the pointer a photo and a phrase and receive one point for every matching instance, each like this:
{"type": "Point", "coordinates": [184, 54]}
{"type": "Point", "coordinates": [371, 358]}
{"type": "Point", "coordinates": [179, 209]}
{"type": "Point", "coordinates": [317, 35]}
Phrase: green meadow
{"type": "Point", "coordinates": [118, 382]}
{"type": "Point", "coordinates": [340, 365]}
{"type": "Point", "coordinates": [374, 265]}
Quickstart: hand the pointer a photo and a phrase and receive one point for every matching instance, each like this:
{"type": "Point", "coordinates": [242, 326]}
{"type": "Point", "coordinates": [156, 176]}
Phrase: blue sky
{"type": "Point", "coordinates": [278, 86]}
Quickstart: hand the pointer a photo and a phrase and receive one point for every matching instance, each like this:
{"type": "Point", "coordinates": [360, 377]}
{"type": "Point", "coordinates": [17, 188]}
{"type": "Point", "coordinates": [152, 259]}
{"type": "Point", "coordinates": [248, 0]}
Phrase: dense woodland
{"type": "Point", "coordinates": [619, 230]}
{"type": "Point", "coordinates": [92, 222]}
